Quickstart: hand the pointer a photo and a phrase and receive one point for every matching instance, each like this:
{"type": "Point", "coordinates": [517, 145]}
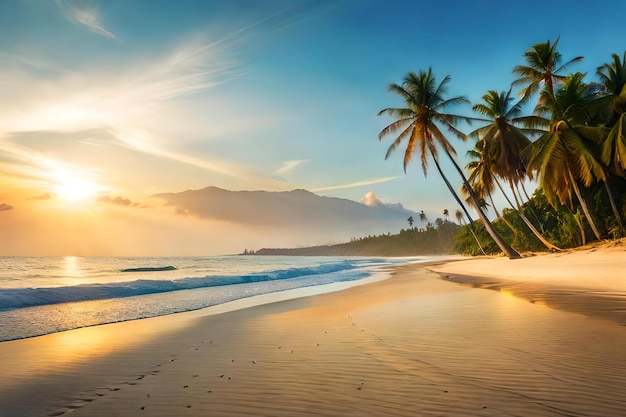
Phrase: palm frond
{"type": "Point", "coordinates": [532, 122]}
{"type": "Point", "coordinates": [398, 141]}
{"type": "Point", "coordinates": [394, 127]}
{"type": "Point", "coordinates": [442, 141]}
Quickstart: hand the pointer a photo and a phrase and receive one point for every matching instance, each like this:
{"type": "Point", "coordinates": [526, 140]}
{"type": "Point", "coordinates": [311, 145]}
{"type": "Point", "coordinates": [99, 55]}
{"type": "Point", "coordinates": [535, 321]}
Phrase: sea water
{"type": "Point", "coordinates": [42, 295]}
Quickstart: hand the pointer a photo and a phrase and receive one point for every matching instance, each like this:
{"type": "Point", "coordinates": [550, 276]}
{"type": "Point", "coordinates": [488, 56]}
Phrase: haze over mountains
{"type": "Point", "coordinates": [314, 218]}
{"type": "Point", "coordinates": [209, 221]}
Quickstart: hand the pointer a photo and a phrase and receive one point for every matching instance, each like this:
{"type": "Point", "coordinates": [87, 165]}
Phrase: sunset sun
{"type": "Point", "coordinates": [76, 190]}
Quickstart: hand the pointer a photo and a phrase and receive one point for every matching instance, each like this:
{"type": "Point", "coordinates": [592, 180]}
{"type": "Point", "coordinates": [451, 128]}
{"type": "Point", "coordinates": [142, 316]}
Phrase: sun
{"type": "Point", "coordinates": [73, 188]}
{"type": "Point", "coordinates": [76, 190]}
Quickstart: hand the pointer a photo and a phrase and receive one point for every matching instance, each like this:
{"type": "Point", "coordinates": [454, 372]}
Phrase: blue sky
{"type": "Point", "coordinates": [133, 98]}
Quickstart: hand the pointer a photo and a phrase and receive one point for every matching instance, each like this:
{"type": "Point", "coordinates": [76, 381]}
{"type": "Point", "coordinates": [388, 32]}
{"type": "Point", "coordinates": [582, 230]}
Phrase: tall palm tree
{"type": "Point", "coordinates": [419, 123]}
{"type": "Point", "coordinates": [502, 143]}
{"type": "Point", "coordinates": [543, 66]}
{"type": "Point", "coordinates": [613, 150]}
{"type": "Point", "coordinates": [410, 220]}
{"type": "Point", "coordinates": [564, 156]}
{"type": "Point", "coordinates": [613, 78]}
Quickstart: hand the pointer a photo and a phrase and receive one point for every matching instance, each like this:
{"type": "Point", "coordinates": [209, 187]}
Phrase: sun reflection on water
{"type": "Point", "coordinates": [73, 273]}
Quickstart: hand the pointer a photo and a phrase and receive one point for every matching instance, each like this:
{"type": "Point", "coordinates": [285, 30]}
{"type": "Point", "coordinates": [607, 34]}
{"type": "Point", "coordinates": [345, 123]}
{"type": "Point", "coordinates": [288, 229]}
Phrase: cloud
{"type": "Point", "coordinates": [355, 184]}
{"type": "Point", "coordinates": [125, 105]}
{"type": "Point", "coordinates": [5, 207]}
{"type": "Point", "coordinates": [370, 199]}
{"type": "Point", "coordinates": [287, 166]}
{"type": "Point", "coordinates": [143, 141]}
{"type": "Point", "coordinates": [120, 201]}
{"type": "Point", "coordinates": [44, 196]}
{"type": "Point", "coordinates": [83, 13]}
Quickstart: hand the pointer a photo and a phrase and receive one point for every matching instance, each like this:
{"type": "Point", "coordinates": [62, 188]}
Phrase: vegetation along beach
{"type": "Point", "coordinates": [312, 208]}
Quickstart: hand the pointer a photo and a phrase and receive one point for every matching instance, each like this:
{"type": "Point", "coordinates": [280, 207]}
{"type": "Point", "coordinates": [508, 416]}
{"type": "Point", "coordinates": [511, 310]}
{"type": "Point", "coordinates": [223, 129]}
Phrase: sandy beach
{"type": "Point", "coordinates": [421, 343]}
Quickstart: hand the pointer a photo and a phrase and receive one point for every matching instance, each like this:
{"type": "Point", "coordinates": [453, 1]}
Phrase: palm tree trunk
{"type": "Point", "coordinates": [499, 216]}
{"type": "Point", "coordinates": [616, 212]}
{"type": "Point", "coordinates": [471, 229]}
{"type": "Point", "coordinates": [524, 190]}
{"type": "Point", "coordinates": [583, 205]}
{"type": "Point", "coordinates": [532, 211]}
{"type": "Point", "coordinates": [530, 225]}
{"type": "Point", "coordinates": [502, 244]}
{"type": "Point", "coordinates": [452, 191]}
{"type": "Point", "coordinates": [458, 200]}
{"type": "Point", "coordinates": [581, 227]}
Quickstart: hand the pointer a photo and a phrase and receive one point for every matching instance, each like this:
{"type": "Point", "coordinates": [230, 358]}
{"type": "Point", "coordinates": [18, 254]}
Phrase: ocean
{"type": "Point", "coordinates": [42, 295]}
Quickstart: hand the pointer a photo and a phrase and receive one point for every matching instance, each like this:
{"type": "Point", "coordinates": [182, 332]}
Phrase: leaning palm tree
{"type": "Point", "coordinates": [543, 65]}
{"type": "Point", "coordinates": [420, 123]}
{"type": "Point", "coordinates": [564, 156]}
{"type": "Point", "coordinates": [502, 142]}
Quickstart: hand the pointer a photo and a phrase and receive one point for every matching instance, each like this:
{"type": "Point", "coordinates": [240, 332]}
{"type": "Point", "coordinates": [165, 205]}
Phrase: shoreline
{"type": "Point", "coordinates": [411, 342]}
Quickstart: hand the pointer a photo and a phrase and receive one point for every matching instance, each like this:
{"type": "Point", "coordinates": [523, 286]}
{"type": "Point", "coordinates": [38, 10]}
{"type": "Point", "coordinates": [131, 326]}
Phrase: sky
{"type": "Point", "coordinates": [108, 103]}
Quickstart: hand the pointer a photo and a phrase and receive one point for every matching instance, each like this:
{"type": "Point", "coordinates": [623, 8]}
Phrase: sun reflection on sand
{"type": "Point", "coordinates": [53, 353]}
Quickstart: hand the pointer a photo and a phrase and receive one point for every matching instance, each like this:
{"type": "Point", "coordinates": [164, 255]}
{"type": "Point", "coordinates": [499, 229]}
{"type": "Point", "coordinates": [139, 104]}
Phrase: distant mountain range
{"type": "Point", "coordinates": [322, 219]}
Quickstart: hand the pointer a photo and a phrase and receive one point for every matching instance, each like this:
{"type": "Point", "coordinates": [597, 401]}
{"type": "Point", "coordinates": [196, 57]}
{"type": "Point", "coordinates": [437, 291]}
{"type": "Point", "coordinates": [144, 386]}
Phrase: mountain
{"type": "Point", "coordinates": [317, 218]}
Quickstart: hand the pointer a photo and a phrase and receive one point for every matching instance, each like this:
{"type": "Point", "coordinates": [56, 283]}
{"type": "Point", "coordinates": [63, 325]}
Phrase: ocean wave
{"type": "Point", "coordinates": [29, 297]}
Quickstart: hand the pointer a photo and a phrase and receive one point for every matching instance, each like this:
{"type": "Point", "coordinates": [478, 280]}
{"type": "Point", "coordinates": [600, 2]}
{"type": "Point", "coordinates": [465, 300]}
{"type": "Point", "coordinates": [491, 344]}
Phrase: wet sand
{"type": "Point", "coordinates": [412, 345]}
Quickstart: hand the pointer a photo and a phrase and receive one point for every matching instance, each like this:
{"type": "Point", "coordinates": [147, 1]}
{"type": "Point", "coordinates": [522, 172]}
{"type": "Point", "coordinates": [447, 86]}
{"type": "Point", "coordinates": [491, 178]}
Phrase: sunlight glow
{"type": "Point", "coordinates": [73, 188]}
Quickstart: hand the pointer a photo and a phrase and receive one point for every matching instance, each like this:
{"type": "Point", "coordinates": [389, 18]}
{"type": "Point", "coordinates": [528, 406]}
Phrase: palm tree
{"type": "Point", "coordinates": [458, 214]}
{"type": "Point", "coordinates": [564, 156]}
{"type": "Point", "coordinates": [446, 214]}
{"type": "Point", "coordinates": [410, 220]}
{"type": "Point", "coordinates": [501, 145]}
{"type": "Point", "coordinates": [419, 123]}
{"type": "Point", "coordinates": [613, 78]}
{"type": "Point", "coordinates": [422, 216]}
{"type": "Point", "coordinates": [482, 180]}
{"type": "Point", "coordinates": [613, 153]}
{"type": "Point", "coordinates": [543, 65]}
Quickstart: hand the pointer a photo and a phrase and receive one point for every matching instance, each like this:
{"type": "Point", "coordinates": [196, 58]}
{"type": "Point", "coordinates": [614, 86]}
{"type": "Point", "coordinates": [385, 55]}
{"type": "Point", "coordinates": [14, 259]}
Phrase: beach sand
{"type": "Point", "coordinates": [412, 345]}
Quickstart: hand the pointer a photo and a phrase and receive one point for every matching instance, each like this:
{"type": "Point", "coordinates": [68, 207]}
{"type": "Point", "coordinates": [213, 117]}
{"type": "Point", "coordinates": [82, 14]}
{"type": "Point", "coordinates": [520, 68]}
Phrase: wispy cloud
{"type": "Point", "coordinates": [142, 141]}
{"type": "Point", "coordinates": [288, 166]}
{"type": "Point", "coordinates": [139, 100]}
{"type": "Point", "coordinates": [84, 13]}
{"type": "Point", "coordinates": [129, 99]}
{"type": "Point", "coordinates": [355, 184]}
